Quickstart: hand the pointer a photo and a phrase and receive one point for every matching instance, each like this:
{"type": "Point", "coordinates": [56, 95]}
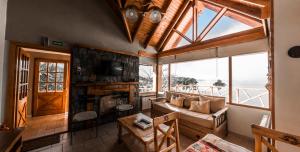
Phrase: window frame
{"type": "Point", "coordinates": [154, 82]}
{"type": "Point", "coordinates": [47, 76]}
{"type": "Point", "coordinates": [229, 102]}
{"type": "Point", "coordinates": [230, 89]}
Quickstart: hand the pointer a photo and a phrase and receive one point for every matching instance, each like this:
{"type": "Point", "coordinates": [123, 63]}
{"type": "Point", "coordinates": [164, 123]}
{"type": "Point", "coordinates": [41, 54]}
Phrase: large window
{"type": "Point", "coordinates": [147, 78]}
{"type": "Point", "coordinates": [208, 77]}
{"type": "Point", "coordinates": [244, 77]}
{"type": "Point", "coordinates": [165, 77]}
{"type": "Point", "coordinates": [249, 79]}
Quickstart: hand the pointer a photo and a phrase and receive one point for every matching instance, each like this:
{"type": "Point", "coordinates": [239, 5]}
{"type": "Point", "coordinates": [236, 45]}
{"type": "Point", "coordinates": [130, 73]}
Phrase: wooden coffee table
{"type": "Point", "coordinates": [146, 137]}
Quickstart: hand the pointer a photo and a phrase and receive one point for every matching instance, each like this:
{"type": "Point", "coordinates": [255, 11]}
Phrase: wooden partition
{"type": "Point", "coordinates": [263, 135]}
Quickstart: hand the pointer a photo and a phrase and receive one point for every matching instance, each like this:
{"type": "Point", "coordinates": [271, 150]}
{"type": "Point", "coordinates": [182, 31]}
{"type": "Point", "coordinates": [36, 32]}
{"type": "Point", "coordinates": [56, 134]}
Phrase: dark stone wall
{"type": "Point", "coordinates": [81, 79]}
{"type": "Point", "coordinates": [89, 60]}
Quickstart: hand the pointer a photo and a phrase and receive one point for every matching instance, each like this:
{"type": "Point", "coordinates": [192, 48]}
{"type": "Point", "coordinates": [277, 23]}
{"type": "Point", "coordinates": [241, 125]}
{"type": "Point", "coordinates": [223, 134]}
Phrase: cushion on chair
{"type": "Point", "coordinates": [86, 115]}
{"type": "Point", "coordinates": [216, 103]}
{"type": "Point", "coordinates": [200, 106]}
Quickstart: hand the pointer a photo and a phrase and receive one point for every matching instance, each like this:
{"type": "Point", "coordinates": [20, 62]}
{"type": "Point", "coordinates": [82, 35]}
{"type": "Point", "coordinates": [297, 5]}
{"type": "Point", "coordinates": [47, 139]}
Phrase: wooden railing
{"type": "Point", "coordinates": [263, 136]}
{"type": "Point", "coordinates": [241, 95]}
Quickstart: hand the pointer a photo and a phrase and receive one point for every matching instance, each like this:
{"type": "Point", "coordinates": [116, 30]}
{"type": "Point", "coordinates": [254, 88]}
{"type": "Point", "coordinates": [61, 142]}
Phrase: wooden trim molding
{"type": "Point", "coordinates": [256, 8]}
{"type": "Point", "coordinates": [146, 54]}
{"type": "Point", "coordinates": [247, 106]}
{"type": "Point", "coordinates": [236, 38]}
{"type": "Point", "coordinates": [12, 91]}
{"type": "Point", "coordinates": [124, 52]}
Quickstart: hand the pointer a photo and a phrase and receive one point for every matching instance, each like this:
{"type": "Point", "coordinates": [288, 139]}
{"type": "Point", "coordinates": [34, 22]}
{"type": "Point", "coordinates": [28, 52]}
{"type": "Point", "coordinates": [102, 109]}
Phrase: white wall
{"type": "Point", "coordinates": [3, 6]}
{"type": "Point", "coordinates": [240, 119]}
{"type": "Point", "coordinates": [287, 70]}
{"type": "Point", "coordinates": [90, 22]}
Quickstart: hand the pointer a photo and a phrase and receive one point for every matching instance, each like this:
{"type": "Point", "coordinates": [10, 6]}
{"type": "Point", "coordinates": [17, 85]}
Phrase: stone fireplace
{"type": "Point", "coordinates": [100, 80]}
{"type": "Point", "coordinates": [108, 103]}
{"type": "Point", "coordinates": [103, 98]}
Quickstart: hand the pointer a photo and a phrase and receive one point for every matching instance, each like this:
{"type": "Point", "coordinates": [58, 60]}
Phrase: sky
{"type": "Point", "coordinates": [250, 69]}
{"type": "Point", "coordinates": [246, 69]}
{"type": "Point", "coordinates": [223, 27]}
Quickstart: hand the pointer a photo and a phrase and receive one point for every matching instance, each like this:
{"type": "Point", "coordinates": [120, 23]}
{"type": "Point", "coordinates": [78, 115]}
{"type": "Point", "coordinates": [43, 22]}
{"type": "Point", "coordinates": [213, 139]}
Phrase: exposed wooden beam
{"type": "Point", "coordinates": [211, 24]}
{"type": "Point", "coordinates": [146, 54]}
{"type": "Point", "coordinates": [183, 36]}
{"type": "Point", "coordinates": [246, 19]}
{"type": "Point", "coordinates": [141, 20]}
{"type": "Point", "coordinates": [148, 39]}
{"type": "Point", "coordinates": [241, 37]}
{"type": "Point", "coordinates": [246, 7]}
{"type": "Point", "coordinates": [125, 23]}
{"type": "Point", "coordinates": [256, 2]}
{"type": "Point", "coordinates": [181, 12]}
{"type": "Point", "coordinates": [195, 19]}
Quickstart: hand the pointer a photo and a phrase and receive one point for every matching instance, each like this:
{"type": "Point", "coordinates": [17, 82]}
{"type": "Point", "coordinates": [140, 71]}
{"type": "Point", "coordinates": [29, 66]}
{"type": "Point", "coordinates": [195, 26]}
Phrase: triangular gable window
{"type": "Point", "coordinates": [204, 18]}
{"type": "Point", "coordinates": [226, 26]}
{"type": "Point", "coordinates": [212, 22]}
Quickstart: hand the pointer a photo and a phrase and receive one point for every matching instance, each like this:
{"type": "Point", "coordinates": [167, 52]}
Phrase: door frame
{"type": "Point", "coordinates": [67, 83]}
{"type": "Point", "coordinates": [10, 114]}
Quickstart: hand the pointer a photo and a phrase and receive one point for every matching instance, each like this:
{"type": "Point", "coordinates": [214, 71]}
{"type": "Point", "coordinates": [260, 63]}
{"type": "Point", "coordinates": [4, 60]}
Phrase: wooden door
{"type": "Point", "coordinates": [49, 87]}
{"type": "Point", "coordinates": [22, 85]}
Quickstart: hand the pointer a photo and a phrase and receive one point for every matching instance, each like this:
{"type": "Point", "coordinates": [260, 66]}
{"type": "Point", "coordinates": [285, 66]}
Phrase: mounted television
{"type": "Point", "coordinates": [109, 68]}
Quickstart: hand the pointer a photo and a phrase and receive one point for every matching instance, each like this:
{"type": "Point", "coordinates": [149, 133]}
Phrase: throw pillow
{"type": "Point", "coordinates": [187, 101]}
{"type": "Point", "coordinates": [200, 106]}
{"type": "Point", "coordinates": [177, 101]}
{"type": "Point", "coordinates": [216, 103]}
{"type": "Point", "coordinates": [168, 96]}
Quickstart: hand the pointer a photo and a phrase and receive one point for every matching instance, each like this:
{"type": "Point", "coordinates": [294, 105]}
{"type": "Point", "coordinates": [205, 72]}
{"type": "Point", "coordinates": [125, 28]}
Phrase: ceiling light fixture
{"type": "Point", "coordinates": [132, 12]}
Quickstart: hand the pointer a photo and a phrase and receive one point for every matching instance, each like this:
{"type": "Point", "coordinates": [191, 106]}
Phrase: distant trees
{"type": "Point", "coordinates": [183, 81]}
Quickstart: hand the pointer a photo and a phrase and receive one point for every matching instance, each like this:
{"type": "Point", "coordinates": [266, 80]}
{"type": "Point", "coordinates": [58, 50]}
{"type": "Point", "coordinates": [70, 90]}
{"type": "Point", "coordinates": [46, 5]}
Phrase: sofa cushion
{"type": "Point", "coordinates": [200, 106]}
{"type": "Point", "coordinates": [188, 99]}
{"type": "Point", "coordinates": [216, 103]}
{"type": "Point", "coordinates": [177, 101]}
{"type": "Point", "coordinates": [168, 96]}
{"type": "Point", "coordinates": [164, 107]}
{"type": "Point", "coordinates": [204, 120]}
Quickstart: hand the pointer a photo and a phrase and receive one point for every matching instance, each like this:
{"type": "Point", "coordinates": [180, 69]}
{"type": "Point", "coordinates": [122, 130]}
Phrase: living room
{"type": "Point", "coordinates": [217, 70]}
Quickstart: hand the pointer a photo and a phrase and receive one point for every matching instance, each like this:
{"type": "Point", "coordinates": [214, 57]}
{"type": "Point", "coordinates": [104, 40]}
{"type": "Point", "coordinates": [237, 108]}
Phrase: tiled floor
{"type": "Point", "coordinates": [86, 141]}
{"type": "Point", "coordinates": [45, 125]}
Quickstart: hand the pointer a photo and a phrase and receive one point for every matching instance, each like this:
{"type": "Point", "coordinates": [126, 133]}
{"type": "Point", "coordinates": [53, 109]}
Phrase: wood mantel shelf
{"type": "Point", "coordinates": [105, 84]}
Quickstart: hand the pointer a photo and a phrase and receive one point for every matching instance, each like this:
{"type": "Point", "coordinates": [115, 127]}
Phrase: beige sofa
{"type": "Point", "coordinates": [194, 124]}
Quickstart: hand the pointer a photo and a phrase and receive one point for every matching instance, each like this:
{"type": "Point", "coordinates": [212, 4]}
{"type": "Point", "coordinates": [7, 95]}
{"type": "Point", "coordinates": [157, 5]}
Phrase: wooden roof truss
{"type": "Point", "coordinates": [250, 12]}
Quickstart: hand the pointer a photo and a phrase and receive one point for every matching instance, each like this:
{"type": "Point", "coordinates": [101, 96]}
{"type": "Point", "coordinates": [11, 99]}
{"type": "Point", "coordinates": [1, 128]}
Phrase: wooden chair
{"type": "Point", "coordinates": [264, 135]}
{"type": "Point", "coordinates": [167, 135]}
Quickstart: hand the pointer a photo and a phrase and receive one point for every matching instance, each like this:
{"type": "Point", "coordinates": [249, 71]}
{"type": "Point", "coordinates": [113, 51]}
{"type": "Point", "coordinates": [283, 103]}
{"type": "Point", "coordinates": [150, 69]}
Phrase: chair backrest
{"type": "Point", "coordinates": [169, 135]}
{"type": "Point", "coordinates": [262, 133]}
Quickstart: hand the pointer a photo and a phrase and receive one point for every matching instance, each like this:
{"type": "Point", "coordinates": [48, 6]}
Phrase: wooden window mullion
{"type": "Point", "coordinates": [230, 79]}
{"type": "Point", "coordinates": [47, 77]}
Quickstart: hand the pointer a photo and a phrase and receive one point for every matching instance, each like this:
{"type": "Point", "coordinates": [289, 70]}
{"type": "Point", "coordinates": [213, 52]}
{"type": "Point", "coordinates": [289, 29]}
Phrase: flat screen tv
{"type": "Point", "coordinates": [109, 68]}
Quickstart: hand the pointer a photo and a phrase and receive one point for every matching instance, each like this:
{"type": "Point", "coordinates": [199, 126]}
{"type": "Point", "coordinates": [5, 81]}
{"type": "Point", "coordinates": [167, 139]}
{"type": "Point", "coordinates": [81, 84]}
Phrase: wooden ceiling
{"type": "Point", "coordinates": [179, 16]}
